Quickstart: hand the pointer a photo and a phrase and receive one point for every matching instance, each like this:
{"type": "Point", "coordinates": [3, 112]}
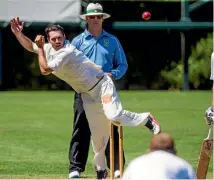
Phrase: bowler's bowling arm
{"type": "Point", "coordinates": [25, 41]}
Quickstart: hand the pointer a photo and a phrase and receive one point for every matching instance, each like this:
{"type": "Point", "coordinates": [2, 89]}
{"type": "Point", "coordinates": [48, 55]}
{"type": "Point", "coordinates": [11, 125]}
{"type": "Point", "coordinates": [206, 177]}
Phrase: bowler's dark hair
{"type": "Point", "coordinates": [53, 27]}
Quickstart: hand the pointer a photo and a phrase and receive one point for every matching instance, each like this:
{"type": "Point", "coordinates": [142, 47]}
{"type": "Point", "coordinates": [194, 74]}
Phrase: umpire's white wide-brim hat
{"type": "Point", "coordinates": [93, 10]}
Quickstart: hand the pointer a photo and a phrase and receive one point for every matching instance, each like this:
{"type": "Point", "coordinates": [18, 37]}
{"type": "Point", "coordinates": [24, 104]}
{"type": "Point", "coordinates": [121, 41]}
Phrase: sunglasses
{"type": "Point", "coordinates": [97, 16]}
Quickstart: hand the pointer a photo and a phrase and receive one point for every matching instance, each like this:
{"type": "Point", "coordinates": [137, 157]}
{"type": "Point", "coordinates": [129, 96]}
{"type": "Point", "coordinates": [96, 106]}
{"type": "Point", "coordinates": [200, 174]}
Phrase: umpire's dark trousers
{"type": "Point", "coordinates": [80, 142]}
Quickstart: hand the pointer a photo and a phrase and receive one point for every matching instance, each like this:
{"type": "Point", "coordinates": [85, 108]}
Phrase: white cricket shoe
{"type": "Point", "coordinates": [117, 174]}
{"type": "Point", "coordinates": [74, 174]}
{"type": "Point", "coordinates": [153, 125]}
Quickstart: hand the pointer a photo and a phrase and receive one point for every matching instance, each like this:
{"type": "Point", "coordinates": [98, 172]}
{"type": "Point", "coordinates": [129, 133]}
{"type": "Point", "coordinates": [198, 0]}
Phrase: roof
{"type": "Point", "coordinates": [40, 12]}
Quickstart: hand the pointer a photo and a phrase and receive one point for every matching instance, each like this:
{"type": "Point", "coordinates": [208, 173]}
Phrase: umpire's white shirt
{"type": "Point", "coordinates": [158, 165]}
{"type": "Point", "coordinates": [72, 66]}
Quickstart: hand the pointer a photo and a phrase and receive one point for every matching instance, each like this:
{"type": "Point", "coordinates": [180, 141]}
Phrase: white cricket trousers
{"type": "Point", "coordinates": [102, 105]}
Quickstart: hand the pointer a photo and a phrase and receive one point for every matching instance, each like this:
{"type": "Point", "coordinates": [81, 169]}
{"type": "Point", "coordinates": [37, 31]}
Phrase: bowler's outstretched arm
{"type": "Point", "coordinates": [17, 27]}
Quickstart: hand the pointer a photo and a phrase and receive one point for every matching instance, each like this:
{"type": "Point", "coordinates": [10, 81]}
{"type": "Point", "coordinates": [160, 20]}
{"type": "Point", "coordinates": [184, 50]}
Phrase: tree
{"type": "Point", "coordinates": [199, 66]}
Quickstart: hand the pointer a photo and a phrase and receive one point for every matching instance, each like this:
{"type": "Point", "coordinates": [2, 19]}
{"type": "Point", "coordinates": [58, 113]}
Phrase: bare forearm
{"type": "Point", "coordinates": [45, 70]}
{"type": "Point", "coordinates": [25, 41]}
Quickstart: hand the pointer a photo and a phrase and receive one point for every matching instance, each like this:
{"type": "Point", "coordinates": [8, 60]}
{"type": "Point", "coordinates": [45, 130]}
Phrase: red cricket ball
{"type": "Point", "coordinates": [146, 15]}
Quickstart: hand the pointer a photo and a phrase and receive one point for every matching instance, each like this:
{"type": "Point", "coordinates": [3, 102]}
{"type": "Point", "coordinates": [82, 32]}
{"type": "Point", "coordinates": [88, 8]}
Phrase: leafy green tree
{"type": "Point", "coordinates": [199, 66]}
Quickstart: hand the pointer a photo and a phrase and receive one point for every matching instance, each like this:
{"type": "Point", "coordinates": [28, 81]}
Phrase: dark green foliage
{"type": "Point", "coordinates": [199, 66]}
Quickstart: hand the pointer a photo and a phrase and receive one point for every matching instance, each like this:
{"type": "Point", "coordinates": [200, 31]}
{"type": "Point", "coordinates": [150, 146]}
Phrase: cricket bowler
{"type": "Point", "coordinates": [100, 99]}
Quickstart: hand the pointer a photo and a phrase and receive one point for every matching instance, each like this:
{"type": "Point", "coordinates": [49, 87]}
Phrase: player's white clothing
{"type": "Point", "coordinates": [212, 67]}
{"type": "Point", "coordinates": [87, 78]}
{"type": "Point", "coordinates": [72, 66]}
{"type": "Point", "coordinates": [98, 121]}
{"type": "Point", "coordinates": [158, 165]}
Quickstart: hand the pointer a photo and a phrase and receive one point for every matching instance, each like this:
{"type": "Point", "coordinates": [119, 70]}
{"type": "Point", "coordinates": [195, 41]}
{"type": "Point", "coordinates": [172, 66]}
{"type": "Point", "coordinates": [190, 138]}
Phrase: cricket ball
{"type": "Point", "coordinates": [146, 15]}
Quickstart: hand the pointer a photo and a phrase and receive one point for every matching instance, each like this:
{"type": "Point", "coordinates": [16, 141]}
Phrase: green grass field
{"type": "Point", "coordinates": [36, 127]}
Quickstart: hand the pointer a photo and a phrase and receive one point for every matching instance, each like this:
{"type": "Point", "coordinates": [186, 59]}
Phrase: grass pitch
{"type": "Point", "coordinates": [36, 127]}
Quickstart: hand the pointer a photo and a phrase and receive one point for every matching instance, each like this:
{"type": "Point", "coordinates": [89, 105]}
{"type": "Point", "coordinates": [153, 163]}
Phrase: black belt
{"type": "Point", "coordinates": [96, 83]}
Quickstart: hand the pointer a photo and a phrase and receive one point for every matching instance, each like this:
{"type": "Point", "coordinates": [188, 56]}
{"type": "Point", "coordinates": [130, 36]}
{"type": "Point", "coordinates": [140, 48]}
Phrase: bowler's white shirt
{"type": "Point", "coordinates": [158, 165]}
{"type": "Point", "coordinates": [72, 66]}
{"type": "Point", "coordinates": [212, 67]}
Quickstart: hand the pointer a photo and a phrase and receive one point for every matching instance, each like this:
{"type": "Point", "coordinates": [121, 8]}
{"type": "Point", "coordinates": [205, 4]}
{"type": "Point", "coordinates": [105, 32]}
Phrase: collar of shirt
{"type": "Point", "coordinates": [88, 34]}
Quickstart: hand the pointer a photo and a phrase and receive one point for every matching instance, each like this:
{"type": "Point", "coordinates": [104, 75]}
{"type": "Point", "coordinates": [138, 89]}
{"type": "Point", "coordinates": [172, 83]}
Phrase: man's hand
{"type": "Point", "coordinates": [16, 25]}
{"type": "Point", "coordinates": [209, 115]}
{"type": "Point", "coordinates": [40, 41]}
{"type": "Point", "coordinates": [110, 75]}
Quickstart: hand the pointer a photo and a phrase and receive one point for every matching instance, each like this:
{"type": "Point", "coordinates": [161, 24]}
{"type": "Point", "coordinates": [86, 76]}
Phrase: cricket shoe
{"type": "Point", "coordinates": [102, 174]}
{"type": "Point", "coordinates": [153, 125]}
{"type": "Point", "coordinates": [74, 174]}
{"type": "Point", "coordinates": [117, 174]}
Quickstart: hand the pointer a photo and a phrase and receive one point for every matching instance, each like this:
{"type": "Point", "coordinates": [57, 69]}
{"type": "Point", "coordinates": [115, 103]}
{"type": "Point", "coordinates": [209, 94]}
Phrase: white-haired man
{"type": "Point", "coordinates": [100, 99]}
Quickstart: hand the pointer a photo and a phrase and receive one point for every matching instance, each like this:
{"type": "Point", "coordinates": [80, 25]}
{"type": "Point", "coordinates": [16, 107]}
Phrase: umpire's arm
{"type": "Point", "coordinates": [119, 61]}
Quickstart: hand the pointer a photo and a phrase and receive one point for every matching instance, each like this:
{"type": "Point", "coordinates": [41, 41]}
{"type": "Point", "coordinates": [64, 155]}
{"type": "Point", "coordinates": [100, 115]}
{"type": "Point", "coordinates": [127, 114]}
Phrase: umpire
{"type": "Point", "coordinates": [105, 50]}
